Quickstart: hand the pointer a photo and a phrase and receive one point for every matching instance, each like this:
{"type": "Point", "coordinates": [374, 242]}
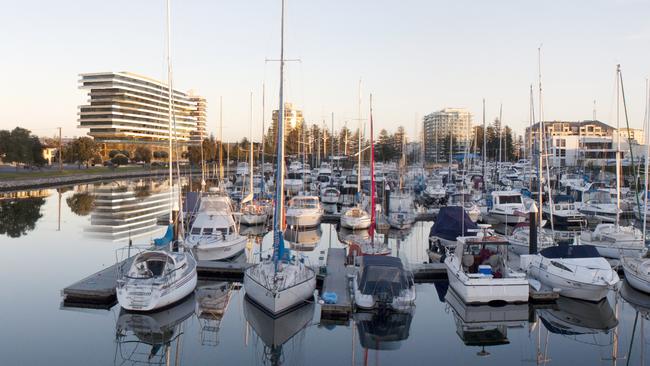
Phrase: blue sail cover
{"type": "Point", "coordinates": [450, 223]}
{"type": "Point", "coordinates": [165, 239]}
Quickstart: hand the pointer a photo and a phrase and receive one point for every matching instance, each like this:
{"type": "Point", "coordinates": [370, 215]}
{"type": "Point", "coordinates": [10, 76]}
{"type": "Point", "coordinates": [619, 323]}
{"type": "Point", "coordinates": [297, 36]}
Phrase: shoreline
{"type": "Point", "coordinates": [10, 185]}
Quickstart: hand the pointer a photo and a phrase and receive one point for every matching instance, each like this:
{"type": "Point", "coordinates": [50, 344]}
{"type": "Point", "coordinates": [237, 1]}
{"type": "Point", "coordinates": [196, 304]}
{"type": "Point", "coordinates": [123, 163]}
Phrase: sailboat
{"type": "Point", "coordinates": [158, 278]}
{"type": "Point", "coordinates": [358, 244]}
{"type": "Point", "coordinates": [282, 283]}
{"type": "Point", "coordinates": [253, 213]}
{"type": "Point", "coordinates": [356, 218]}
{"type": "Point", "coordinates": [615, 240]}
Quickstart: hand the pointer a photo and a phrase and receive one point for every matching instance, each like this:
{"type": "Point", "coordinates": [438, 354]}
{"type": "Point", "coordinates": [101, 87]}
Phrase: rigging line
{"type": "Point", "coordinates": [629, 143]}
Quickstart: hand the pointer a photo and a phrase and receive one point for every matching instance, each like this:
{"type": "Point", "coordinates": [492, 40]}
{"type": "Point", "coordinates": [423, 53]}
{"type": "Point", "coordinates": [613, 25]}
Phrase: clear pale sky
{"type": "Point", "coordinates": [414, 56]}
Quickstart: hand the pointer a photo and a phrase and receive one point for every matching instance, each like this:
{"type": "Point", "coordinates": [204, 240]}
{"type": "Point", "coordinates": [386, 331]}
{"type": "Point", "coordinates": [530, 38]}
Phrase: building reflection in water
{"type": "Point", "coordinates": [128, 210]}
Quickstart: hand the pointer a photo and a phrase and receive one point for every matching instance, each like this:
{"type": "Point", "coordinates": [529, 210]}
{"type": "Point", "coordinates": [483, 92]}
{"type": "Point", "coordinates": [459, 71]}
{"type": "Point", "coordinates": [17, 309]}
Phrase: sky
{"type": "Point", "coordinates": [415, 57]}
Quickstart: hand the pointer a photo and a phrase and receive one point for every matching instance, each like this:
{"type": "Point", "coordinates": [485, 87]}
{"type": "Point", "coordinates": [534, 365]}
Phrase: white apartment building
{"type": "Point", "coordinates": [125, 109]}
{"type": "Point", "coordinates": [440, 126]}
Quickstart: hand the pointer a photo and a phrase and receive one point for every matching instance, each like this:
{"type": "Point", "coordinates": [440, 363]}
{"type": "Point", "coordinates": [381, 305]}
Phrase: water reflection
{"type": "Point", "coordinates": [275, 332]}
{"type": "Point", "coordinates": [253, 231]}
{"type": "Point", "coordinates": [575, 317]}
{"type": "Point", "coordinates": [212, 299]}
{"type": "Point", "coordinates": [148, 338]}
{"type": "Point", "coordinates": [81, 203]}
{"type": "Point", "coordinates": [125, 210]}
{"type": "Point", "coordinates": [383, 330]}
{"type": "Point", "coordinates": [485, 326]}
{"type": "Point", "coordinates": [19, 215]}
{"type": "Point", "coordinates": [303, 240]}
{"type": "Point", "coordinates": [640, 301]}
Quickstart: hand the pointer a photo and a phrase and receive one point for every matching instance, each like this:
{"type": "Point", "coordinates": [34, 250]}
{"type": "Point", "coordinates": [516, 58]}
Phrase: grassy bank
{"type": "Point", "coordinates": [54, 173]}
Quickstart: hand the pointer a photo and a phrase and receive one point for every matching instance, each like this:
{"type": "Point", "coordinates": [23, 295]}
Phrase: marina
{"type": "Point", "coordinates": [251, 189]}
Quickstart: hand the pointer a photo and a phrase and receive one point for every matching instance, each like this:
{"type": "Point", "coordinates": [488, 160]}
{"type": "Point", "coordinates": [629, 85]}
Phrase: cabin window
{"type": "Point", "coordinates": [560, 266]}
{"type": "Point", "coordinates": [196, 230]}
{"type": "Point", "coordinates": [510, 199]}
{"type": "Point", "coordinates": [207, 231]}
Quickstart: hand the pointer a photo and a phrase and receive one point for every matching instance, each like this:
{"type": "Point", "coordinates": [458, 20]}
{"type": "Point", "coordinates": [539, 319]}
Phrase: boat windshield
{"type": "Point", "coordinates": [510, 199]}
{"type": "Point", "coordinates": [304, 203]}
{"type": "Point", "coordinates": [570, 251]}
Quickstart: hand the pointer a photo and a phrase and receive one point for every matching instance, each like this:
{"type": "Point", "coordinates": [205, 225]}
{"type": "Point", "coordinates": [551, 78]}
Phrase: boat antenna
{"type": "Point", "coordinates": [646, 125]}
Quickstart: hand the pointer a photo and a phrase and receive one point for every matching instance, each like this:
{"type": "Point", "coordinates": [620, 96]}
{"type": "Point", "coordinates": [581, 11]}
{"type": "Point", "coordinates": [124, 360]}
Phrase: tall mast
{"type": "Point", "coordinates": [484, 147]}
{"type": "Point", "coordinates": [359, 143]}
{"type": "Point", "coordinates": [278, 215]}
{"type": "Point", "coordinates": [262, 190]}
{"type": "Point", "coordinates": [618, 146]}
{"type": "Point", "coordinates": [372, 179]}
{"type": "Point", "coordinates": [250, 176]}
{"type": "Point", "coordinates": [646, 125]}
{"type": "Point", "coordinates": [332, 135]}
{"type": "Point", "coordinates": [170, 107]}
{"type": "Point", "coordinates": [220, 139]}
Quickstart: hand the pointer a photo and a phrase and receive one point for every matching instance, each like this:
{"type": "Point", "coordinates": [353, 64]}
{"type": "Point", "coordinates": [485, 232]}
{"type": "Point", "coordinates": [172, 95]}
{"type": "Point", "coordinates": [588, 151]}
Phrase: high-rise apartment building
{"type": "Point", "coordinates": [126, 109]}
{"type": "Point", "coordinates": [201, 114]}
{"type": "Point", "coordinates": [449, 125]}
{"type": "Point", "coordinates": [292, 117]}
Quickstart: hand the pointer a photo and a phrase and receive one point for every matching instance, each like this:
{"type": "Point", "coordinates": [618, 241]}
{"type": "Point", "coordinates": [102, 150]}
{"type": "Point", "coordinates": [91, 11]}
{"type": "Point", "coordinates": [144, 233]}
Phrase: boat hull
{"type": "Point", "coordinates": [304, 220]}
{"type": "Point", "coordinates": [277, 303]}
{"type": "Point", "coordinates": [247, 219]}
{"type": "Point", "coordinates": [479, 291]}
{"type": "Point", "coordinates": [140, 298]}
{"type": "Point", "coordinates": [355, 223]}
{"type": "Point", "coordinates": [220, 250]}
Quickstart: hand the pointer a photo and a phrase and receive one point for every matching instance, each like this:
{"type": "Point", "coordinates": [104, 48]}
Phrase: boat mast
{"type": "Point", "coordinates": [220, 139]}
{"type": "Point", "coordinates": [278, 215]}
{"type": "Point", "coordinates": [262, 190]}
{"type": "Point", "coordinates": [646, 125]}
{"type": "Point", "coordinates": [359, 144]}
{"type": "Point", "coordinates": [484, 149]}
{"type": "Point", "coordinates": [250, 177]}
{"type": "Point", "coordinates": [542, 133]}
{"type": "Point", "coordinates": [618, 147]}
{"type": "Point", "coordinates": [169, 110]}
{"type": "Point", "coordinates": [372, 179]}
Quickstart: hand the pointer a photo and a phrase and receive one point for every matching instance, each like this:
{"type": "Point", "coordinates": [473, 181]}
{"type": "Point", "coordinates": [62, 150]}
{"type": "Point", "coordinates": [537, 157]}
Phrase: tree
{"type": "Point", "coordinates": [19, 146]}
{"type": "Point", "coordinates": [19, 216]}
{"type": "Point", "coordinates": [143, 153]}
{"type": "Point", "coordinates": [81, 203]}
{"type": "Point", "coordinates": [120, 159]}
{"type": "Point", "coordinates": [81, 150]}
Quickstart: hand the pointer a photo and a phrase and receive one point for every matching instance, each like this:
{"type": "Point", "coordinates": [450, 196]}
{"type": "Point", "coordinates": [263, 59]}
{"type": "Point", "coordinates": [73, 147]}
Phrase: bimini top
{"type": "Point", "coordinates": [382, 274]}
{"type": "Point", "coordinates": [570, 251]}
{"type": "Point", "coordinates": [450, 223]}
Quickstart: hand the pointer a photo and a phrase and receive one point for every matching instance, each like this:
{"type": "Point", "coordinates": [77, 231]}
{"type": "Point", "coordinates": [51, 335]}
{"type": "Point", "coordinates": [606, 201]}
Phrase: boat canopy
{"type": "Point", "coordinates": [450, 223]}
{"type": "Point", "coordinates": [382, 274]}
{"type": "Point", "coordinates": [570, 251]}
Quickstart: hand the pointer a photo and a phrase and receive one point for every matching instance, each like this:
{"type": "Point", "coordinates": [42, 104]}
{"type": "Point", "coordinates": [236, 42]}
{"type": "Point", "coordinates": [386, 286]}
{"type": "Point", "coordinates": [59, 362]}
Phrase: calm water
{"type": "Point", "coordinates": [52, 238]}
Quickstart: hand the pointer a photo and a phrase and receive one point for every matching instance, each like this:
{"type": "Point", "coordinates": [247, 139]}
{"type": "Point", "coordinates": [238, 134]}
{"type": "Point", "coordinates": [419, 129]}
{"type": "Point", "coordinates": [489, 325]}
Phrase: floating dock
{"type": "Point", "coordinates": [336, 281]}
{"type": "Point", "coordinates": [96, 291]}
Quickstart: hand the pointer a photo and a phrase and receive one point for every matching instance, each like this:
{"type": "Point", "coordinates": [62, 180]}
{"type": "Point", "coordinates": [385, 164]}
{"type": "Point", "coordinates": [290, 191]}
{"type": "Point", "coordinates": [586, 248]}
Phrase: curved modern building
{"type": "Point", "coordinates": [125, 109]}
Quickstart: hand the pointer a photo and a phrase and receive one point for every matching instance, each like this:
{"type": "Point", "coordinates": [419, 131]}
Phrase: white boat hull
{"type": "Point", "coordinates": [634, 277]}
{"type": "Point", "coordinates": [304, 220]}
{"type": "Point", "coordinates": [220, 250]}
{"type": "Point", "coordinates": [355, 223]}
{"type": "Point", "coordinates": [248, 219]}
{"type": "Point", "coordinates": [569, 287]}
{"type": "Point", "coordinates": [483, 291]}
{"type": "Point", "coordinates": [507, 219]}
{"type": "Point", "coordinates": [279, 302]}
{"type": "Point", "coordinates": [145, 298]}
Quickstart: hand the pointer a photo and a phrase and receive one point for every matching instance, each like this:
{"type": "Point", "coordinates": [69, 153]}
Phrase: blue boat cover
{"type": "Point", "coordinates": [450, 223]}
{"type": "Point", "coordinates": [330, 297]}
{"type": "Point", "coordinates": [165, 239]}
{"type": "Point", "coordinates": [570, 251]}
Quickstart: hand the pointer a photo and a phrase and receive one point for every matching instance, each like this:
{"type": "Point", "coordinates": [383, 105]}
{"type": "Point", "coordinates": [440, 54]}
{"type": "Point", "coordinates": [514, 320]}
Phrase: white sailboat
{"type": "Point", "coordinates": [253, 212]}
{"type": "Point", "coordinates": [158, 278]}
{"type": "Point", "coordinates": [283, 283]}
{"type": "Point", "coordinates": [615, 240]}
